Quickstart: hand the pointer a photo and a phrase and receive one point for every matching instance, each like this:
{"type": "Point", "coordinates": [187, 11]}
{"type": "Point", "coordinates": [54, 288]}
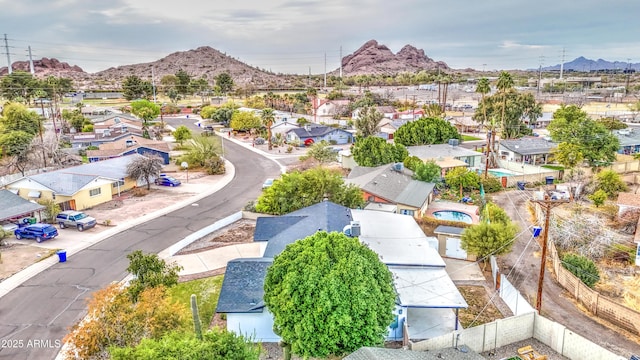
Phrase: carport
{"type": "Point", "coordinates": [13, 207]}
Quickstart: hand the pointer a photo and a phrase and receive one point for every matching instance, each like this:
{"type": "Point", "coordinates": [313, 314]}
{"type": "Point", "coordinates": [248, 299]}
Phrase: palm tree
{"type": "Point", "coordinates": [504, 85]}
{"type": "Point", "coordinates": [483, 88]}
{"type": "Point", "coordinates": [268, 116]}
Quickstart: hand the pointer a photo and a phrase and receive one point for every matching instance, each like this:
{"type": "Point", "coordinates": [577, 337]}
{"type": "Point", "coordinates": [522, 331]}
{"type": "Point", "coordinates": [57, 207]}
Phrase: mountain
{"type": "Point", "coordinates": [204, 62]}
{"type": "Point", "coordinates": [45, 67]}
{"type": "Point", "coordinates": [583, 64]}
{"type": "Point", "coordinates": [374, 58]}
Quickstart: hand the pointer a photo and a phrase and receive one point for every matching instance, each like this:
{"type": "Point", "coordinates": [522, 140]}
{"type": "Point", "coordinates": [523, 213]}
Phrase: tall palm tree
{"type": "Point", "coordinates": [505, 84]}
{"type": "Point", "coordinates": [484, 88]}
{"type": "Point", "coordinates": [268, 116]}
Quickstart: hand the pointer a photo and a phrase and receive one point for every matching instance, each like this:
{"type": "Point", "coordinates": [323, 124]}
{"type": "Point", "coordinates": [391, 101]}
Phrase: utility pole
{"type": "Point", "coordinates": [562, 64]}
{"type": "Point", "coordinates": [153, 85]}
{"type": "Point", "coordinates": [44, 156]}
{"type": "Point", "coordinates": [325, 70]}
{"type": "Point", "coordinates": [626, 87]}
{"type": "Point", "coordinates": [547, 204]}
{"type": "Point", "coordinates": [31, 68]}
{"type": "Point", "coordinates": [340, 62]}
{"type": "Point", "coordinates": [6, 49]}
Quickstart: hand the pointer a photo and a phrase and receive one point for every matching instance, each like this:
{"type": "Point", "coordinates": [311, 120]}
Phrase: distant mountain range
{"type": "Point", "coordinates": [583, 64]}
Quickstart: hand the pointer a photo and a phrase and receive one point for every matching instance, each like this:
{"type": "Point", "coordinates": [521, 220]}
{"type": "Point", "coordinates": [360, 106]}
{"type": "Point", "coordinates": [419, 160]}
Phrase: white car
{"type": "Point", "coordinates": [267, 183]}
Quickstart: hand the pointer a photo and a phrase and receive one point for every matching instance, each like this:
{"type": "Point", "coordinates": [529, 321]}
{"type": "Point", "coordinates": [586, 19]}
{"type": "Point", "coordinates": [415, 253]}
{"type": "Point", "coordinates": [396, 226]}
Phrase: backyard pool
{"type": "Point", "coordinates": [452, 215]}
{"type": "Point", "coordinates": [501, 173]}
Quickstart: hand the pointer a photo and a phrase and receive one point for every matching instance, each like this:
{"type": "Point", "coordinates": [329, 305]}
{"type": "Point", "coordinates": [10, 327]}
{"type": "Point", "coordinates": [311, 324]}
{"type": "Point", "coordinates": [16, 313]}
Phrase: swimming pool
{"type": "Point", "coordinates": [498, 173]}
{"type": "Point", "coordinates": [452, 215]}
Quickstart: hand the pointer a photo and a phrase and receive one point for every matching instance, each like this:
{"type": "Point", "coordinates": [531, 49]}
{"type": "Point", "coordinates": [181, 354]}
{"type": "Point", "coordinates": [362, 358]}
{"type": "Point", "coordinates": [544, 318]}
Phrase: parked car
{"type": "Point", "coordinates": [267, 183]}
{"type": "Point", "coordinates": [77, 219]}
{"type": "Point", "coordinates": [36, 231]}
{"type": "Point", "coordinates": [166, 180]}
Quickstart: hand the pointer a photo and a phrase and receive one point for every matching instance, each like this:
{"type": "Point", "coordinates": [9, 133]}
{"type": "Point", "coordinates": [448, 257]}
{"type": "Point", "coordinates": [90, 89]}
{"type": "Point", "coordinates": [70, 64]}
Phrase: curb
{"type": "Point", "coordinates": [283, 169]}
{"type": "Point", "coordinates": [18, 278]}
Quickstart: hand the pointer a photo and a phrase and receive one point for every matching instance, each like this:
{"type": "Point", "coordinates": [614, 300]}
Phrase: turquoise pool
{"type": "Point", "coordinates": [498, 173]}
{"type": "Point", "coordinates": [452, 215]}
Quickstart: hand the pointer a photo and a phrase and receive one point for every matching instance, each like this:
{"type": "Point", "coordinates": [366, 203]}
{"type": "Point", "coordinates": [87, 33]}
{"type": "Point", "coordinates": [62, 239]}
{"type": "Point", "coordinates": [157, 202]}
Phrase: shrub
{"type": "Point", "coordinates": [583, 268]}
{"type": "Point", "coordinates": [598, 197]}
{"type": "Point", "coordinates": [491, 184]}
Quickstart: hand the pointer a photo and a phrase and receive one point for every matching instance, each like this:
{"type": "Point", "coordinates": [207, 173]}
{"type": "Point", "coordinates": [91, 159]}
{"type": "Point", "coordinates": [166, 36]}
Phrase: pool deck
{"type": "Point", "coordinates": [470, 210]}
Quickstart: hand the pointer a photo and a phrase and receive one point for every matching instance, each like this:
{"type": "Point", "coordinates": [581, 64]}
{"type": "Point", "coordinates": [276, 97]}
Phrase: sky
{"type": "Point", "coordinates": [296, 36]}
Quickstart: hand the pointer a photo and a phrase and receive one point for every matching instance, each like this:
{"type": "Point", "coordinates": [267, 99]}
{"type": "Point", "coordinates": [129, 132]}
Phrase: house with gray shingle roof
{"type": "Point", "coordinates": [531, 150]}
{"type": "Point", "coordinates": [427, 299]}
{"type": "Point", "coordinates": [78, 187]}
{"type": "Point", "coordinates": [393, 184]}
{"type": "Point", "coordinates": [132, 144]}
{"type": "Point", "coordinates": [312, 133]}
{"type": "Point", "coordinates": [13, 206]}
{"type": "Point", "coordinates": [446, 156]}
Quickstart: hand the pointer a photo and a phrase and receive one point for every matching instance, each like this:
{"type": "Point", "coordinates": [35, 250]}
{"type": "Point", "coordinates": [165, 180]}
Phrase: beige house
{"type": "Point", "coordinates": [78, 187]}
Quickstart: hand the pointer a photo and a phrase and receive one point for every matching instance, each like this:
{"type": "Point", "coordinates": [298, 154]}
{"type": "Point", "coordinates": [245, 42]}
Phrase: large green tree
{"type": "Point", "coordinates": [571, 125]}
{"type": "Point", "coordinates": [16, 145]}
{"type": "Point", "coordinates": [16, 117]}
{"type": "Point", "coordinates": [462, 178]}
{"type": "Point", "coordinates": [268, 116]}
{"type": "Point", "coordinates": [224, 82]}
{"type": "Point", "coordinates": [133, 87]}
{"type": "Point", "coordinates": [425, 131]}
{"type": "Point", "coordinates": [147, 111]}
{"type": "Point", "coordinates": [610, 182]}
{"type": "Point", "coordinates": [367, 123]}
{"type": "Point", "coordinates": [183, 81]}
{"type": "Point", "coordinates": [296, 190]}
{"type": "Point", "coordinates": [427, 171]}
{"type": "Point", "coordinates": [487, 239]}
{"type": "Point", "coordinates": [374, 151]}
{"type": "Point", "coordinates": [18, 86]}
{"type": "Point", "coordinates": [244, 121]}
{"type": "Point", "coordinates": [329, 294]}
{"type": "Point", "coordinates": [520, 108]}
{"type": "Point", "coordinates": [483, 88]}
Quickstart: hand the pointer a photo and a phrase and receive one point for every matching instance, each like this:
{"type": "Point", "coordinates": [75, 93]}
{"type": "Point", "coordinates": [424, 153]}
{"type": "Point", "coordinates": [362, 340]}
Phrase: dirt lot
{"type": "Point", "coordinates": [16, 257]}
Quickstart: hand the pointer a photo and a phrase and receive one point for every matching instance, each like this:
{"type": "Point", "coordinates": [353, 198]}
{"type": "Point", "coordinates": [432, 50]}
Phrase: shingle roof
{"type": "Point", "coordinates": [435, 151]}
{"type": "Point", "coordinates": [268, 227]}
{"type": "Point", "coordinates": [325, 215]}
{"type": "Point", "coordinates": [314, 131]}
{"type": "Point", "coordinates": [528, 145]}
{"type": "Point", "coordinates": [12, 205]}
{"type": "Point", "coordinates": [243, 286]}
{"type": "Point", "coordinates": [69, 180]}
{"type": "Point", "coordinates": [392, 185]}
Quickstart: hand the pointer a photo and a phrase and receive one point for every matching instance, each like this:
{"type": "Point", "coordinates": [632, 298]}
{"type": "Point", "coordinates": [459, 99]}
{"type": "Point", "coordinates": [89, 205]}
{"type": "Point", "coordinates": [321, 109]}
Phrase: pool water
{"type": "Point", "coordinates": [498, 173]}
{"type": "Point", "coordinates": [452, 215]}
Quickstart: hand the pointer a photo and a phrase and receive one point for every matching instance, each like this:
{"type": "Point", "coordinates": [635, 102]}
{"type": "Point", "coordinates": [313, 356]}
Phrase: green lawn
{"type": "Point", "coordinates": [207, 290]}
{"type": "Point", "coordinates": [470, 138]}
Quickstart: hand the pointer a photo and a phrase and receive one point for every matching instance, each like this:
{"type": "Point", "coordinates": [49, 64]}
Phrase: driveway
{"type": "Point", "coordinates": [47, 305]}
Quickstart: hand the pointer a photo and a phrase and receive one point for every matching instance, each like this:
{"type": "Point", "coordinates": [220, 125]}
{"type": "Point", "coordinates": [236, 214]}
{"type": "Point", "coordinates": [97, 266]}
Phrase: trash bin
{"type": "Point", "coordinates": [62, 255]}
{"type": "Point", "coordinates": [536, 231]}
{"type": "Point", "coordinates": [549, 180]}
{"type": "Point", "coordinates": [521, 185]}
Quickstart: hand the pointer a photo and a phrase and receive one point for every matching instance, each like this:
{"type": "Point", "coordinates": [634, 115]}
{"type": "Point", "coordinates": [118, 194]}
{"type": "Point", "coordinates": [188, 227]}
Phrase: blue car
{"type": "Point", "coordinates": [36, 231]}
{"type": "Point", "coordinates": [165, 180]}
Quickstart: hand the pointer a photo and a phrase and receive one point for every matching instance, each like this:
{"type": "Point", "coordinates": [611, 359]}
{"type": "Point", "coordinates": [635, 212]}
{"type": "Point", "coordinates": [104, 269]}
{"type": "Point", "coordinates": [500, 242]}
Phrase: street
{"type": "Point", "coordinates": [36, 316]}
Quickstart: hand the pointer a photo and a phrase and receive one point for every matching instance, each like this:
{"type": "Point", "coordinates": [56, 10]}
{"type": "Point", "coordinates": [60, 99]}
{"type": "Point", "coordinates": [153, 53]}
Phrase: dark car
{"type": "Point", "coordinates": [165, 180]}
{"type": "Point", "coordinates": [36, 231]}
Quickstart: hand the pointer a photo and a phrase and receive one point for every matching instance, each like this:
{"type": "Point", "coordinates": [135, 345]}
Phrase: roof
{"type": "Point", "coordinates": [315, 131]}
{"type": "Point", "coordinates": [324, 215]}
{"type": "Point", "coordinates": [268, 227]}
{"type": "Point", "coordinates": [390, 184]}
{"type": "Point", "coordinates": [12, 205]}
{"type": "Point", "coordinates": [243, 286]}
{"type": "Point", "coordinates": [528, 145]}
{"type": "Point", "coordinates": [397, 238]}
{"type": "Point", "coordinates": [628, 139]}
{"type": "Point", "coordinates": [451, 230]}
{"type": "Point", "coordinates": [69, 180]}
{"type": "Point", "coordinates": [373, 353]}
{"type": "Point", "coordinates": [426, 287]}
{"type": "Point", "coordinates": [435, 151]}
{"type": "Point", "coordinates": [629, 199]}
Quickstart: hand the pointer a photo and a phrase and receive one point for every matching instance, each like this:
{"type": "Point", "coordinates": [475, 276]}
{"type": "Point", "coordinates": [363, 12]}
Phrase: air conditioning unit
{"type": "Point", "coordinates": [352, 230]}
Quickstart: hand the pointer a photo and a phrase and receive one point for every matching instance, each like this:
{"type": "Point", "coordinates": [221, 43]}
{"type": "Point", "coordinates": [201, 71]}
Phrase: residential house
{"type": "Point", "coordinates": [629, 141]}
{"type": "Point", "coordinates": [79, 187]}
{"type": "Point", "coordinates": [388, 112]}
{"type": "Point", "coordinates": [132, 144]}
{"type": "Point", "coordinates": [427, 301]}
{"type": "Point", "coordinates": [13, 207]}
{"type": "Point", "coordinates": [329, 108]}
{"type": "Point", "coordinates": [412, 114]}
{"type": "Point", "coordinates": [465, 124]}
{"type": "Point", "coordinates": [395, 185]}
{"type": "Point", "coordinates": [447, 156]}
{"type": "Point", "coordinates": [107, 129]}
{"type": "Point", "coordinates": [530, 150]}
{"type": "Point", "coordinates": [312, 133]}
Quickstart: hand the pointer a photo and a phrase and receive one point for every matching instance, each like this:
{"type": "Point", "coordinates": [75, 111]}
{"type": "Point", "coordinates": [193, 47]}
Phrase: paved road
{"type": "Point", "coordinates": [522, 267]}
{"type": "Point", "coordinates": [36, 316]}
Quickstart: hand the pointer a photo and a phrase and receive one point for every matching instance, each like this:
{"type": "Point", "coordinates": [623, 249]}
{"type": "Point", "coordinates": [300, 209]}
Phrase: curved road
{"type": "Point", "coordinates": [35, 316]}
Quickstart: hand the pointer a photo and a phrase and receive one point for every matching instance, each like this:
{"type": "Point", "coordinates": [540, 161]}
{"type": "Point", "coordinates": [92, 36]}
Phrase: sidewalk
{"type": "Point", "coordinates": [93, 236]}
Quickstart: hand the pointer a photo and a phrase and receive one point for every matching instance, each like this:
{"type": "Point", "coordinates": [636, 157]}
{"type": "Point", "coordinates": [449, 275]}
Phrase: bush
{"type": "Point", "coordinates": [259, 141]}
{"type": "Point", "coordinates": [583, 268]}
{"type": "Point", "coordinates": [491, 184]}
{"type": "Point", "coordinates": [598, 197]}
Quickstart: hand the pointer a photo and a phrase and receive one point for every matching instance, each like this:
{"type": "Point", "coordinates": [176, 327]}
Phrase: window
{"type": "Point", "coordinates": [117, 183]}
{"type": "Point", "coordinates": [406, 212]}
{"type": "Point", "coordinates": [94, 192]}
